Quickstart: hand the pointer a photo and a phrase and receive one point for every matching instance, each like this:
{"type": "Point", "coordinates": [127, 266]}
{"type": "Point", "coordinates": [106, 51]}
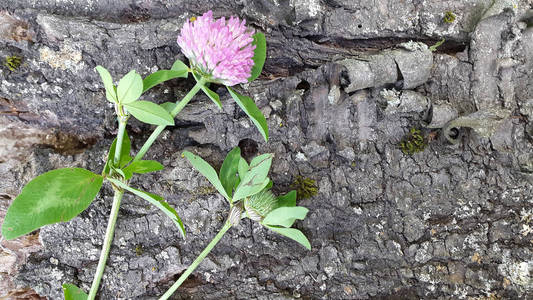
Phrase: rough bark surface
{"type": "Point", "coordinates": [341, 88]}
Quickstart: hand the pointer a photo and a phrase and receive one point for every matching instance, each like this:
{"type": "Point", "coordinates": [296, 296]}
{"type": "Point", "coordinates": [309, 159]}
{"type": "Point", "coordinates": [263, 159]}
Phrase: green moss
{"type": "Point", "coordinates": [413, 142]}
{"type": "Point", "coordinates": [204, 190]}
{"type": "Point", "coordinates": [305, 187]}
{"type": "Point", "coordinates": [449, 17]}
{"type": "Point", "coordinates": [13, 62]}
{"type": "Point", "coordinates": [139, 250]}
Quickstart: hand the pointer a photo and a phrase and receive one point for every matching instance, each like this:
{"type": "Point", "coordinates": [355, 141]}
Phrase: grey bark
{"type": "Point", "coordinates": [452, 221]}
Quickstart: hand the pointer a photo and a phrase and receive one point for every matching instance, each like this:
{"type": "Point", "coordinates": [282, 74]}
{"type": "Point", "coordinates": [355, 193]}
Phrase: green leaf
{"type": "Point", "coordinates": [125, 150]}
{"type": "Point", "coordinates": [256, 178]}
{"type": "Point", "coordinates": [119, 171]}
{"type": "Point", "coordinates": [228, 171]}
{"type": "Point", "coordinates": [130, 87]}
{"type": "Point", "coordinates": [142, 167]}
{"type": "Point", "coordinates": [287, 200]}
{"type": "Point", "coordinates": [180, 66]}
{"type": "Point", "coordinates": [248, 106]}
{"type": "Point", "coordinates": [292, 233]}
{"type": "Point", "coordinates": [285, 216]}
{"type": "Point", "coordinates": [205, 169]}
{"type": "Point", "coordinates": [72, 292]}
{"type": "Point", "coordinates": [145, 166]}
{"type": "Point", "coordinates": [110, 93]}
{"type": "Point", "coordinates": [149, 112]}
{"type": "Point", "coordinates": [109, 160]}
{"type": "Point", "coordinates": [154, 199]}
{"type": "Point", "coordinates": [55, 196]}
{"type": "Point", "coordinates": [161, 76]}
{"type": "Point", "coordinates": [259, 55]}
{"type": "Point", "coordinates": [127, 174]}
{"type": "Point", "coordinates": [269, 185]}
{"type": "Point", "coordinates": [168, 106]}
{"type": "Point", "coordinates": [212, 95]}
{"type": "Point", "coordinates": [243, 191]}
{"type": "Point", "coordinates": [243, 168]}
{"type": "Point", "coordinates": [261, 163]}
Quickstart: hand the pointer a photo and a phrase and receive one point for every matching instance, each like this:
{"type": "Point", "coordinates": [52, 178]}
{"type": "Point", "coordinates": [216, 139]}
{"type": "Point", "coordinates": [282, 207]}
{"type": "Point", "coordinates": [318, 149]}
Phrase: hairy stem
{"type": "Point", "coordinates": [109, 233]}
{"type": "Point", "coordinates": [179, 106]}
{"type": "Point", "coordinates": [120, 138]}
{"type": "Point", "coordinates": [197, 261]}
{"type": "Point", "coordinates": [107, 243]}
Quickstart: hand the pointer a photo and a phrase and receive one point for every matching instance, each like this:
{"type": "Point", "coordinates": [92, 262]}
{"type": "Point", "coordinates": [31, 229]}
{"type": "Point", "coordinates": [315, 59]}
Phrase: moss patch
{"type": "Point", "coordinates": [13, 62]}
{"type": "Point", "coordinates": [202, 191]}
{"type": "Point", "coordinates": [305, 187]}
{"type": "Point", "coordinates": [413, 142]}
{"type": "Point", "coordinates": [139, 250]}
{"type": "Point", "coordinates": [449, 17]}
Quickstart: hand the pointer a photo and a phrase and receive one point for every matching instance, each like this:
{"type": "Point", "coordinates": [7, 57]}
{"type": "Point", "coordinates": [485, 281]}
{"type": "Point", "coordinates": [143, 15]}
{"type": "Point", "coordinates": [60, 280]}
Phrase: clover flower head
{"type": "Point", "coordinates": [219, 48]}
{"type": "Point", "coordinates": [259, 205]}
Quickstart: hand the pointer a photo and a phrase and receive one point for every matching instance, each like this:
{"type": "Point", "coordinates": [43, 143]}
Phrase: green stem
{"type": "Point", "coordinates": [179, 106]}
{"type": "Point", "coordinates": [107, 243]}
{"type": "Point", "coordinates": [120, 138]}
{"type": "Point", "coordinates": [197, 261]}
{"type": "Point", "coordinates": [108, 239]}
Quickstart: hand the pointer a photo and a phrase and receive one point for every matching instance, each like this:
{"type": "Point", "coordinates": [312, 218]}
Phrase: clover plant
{"type": "Point", "coordinates": [247, 190]}
{"type": "Point", "coordinates": [219, 51]}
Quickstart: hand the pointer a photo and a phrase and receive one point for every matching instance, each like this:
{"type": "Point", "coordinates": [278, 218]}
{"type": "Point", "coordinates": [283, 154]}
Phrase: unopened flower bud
{"type": "Point", "coordinates": [259, 205]}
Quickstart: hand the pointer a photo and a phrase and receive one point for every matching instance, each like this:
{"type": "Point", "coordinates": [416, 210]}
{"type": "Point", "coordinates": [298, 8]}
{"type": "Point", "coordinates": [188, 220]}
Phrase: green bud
{"type": "Point", "coordinates": [259, 205]}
